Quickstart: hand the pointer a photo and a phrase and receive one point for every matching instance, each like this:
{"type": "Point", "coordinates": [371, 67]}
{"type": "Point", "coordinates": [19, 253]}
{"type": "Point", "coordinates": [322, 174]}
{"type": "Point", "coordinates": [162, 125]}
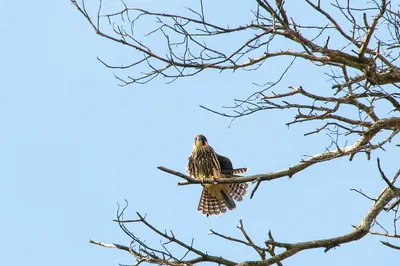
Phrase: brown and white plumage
{"type": "Point", "coordinates": [204, 162]}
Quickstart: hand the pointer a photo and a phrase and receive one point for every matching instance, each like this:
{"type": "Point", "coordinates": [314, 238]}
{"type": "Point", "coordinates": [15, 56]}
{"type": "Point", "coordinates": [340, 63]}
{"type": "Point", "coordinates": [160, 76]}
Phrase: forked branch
{"type": "Point", "coordinates": [161, 255]}
{"type": "Point", "coordinates": [363, 144]}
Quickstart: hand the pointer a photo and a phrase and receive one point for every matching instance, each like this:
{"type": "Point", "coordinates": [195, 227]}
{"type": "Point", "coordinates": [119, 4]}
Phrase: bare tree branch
{"type": "Point", "coordinates": [361, 145]}
{"type": "Point", "coordinates": [390, 245]}
{"type": "Point", "coordinates": [360, 106]}
{"type": "Point", "coordinates": [144, 252]}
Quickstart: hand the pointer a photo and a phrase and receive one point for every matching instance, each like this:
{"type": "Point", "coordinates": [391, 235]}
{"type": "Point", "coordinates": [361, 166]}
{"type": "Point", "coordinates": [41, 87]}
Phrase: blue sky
{"type": "Point", "coordinates": [73, 144]}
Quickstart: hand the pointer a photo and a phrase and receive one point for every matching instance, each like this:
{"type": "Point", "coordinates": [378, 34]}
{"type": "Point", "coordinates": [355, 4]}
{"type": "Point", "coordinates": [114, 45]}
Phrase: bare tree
{"type": "Point", "coordinates": [357, 44]}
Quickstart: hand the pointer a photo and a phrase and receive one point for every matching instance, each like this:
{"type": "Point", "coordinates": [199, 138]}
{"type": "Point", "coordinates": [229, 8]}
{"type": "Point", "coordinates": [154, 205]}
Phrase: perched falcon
{"type": "Point", "coordinates": [204, 162]}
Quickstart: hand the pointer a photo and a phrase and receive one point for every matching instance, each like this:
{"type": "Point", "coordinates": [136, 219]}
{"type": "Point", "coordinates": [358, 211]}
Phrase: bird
{"type": "Point", "coordinates": [204, 162]}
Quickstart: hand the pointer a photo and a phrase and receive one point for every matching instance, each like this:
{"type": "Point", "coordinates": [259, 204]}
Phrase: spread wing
{"type": "Point", "coordinates": [237, 190]}
{"type": "Point", "coordinates": [227, 167]}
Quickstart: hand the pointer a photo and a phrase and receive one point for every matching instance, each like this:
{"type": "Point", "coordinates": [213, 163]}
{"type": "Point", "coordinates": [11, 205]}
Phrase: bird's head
{"type": "Point", "coordinates": [200, 141]}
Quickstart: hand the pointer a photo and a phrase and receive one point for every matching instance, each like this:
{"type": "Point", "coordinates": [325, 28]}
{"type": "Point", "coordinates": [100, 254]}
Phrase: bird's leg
{"type": "Point", "coordinates": [216, 174]}
{"type": "Point", "coordinates": [202, 179]}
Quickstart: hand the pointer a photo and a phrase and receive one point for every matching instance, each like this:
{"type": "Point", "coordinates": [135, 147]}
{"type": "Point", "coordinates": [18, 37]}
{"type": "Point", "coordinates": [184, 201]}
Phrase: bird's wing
{"type": "Point", "coordinates": [190, 166]}
{"type": "Point", "coordinates": [226, 165]}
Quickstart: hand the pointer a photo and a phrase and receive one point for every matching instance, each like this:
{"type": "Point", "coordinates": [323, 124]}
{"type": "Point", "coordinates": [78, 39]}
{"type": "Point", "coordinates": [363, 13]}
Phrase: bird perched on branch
{"type": "Point", "coordinates": [204, 162]}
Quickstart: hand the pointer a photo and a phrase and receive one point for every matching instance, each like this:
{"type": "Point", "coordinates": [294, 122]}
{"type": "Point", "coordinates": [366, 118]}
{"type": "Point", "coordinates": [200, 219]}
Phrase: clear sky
{"type": "Point", "coordinates": [73, 144]}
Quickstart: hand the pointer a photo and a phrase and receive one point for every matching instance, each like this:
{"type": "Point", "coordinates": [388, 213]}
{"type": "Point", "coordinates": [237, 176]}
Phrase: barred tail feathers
{"type": "Point", "coordinates": [215, 199]}
{"type": "Point", "coordinates": [210, 205]}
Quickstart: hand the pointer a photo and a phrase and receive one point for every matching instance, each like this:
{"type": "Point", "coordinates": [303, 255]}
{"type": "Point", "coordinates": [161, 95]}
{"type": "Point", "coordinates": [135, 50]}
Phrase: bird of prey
{"type": "Point", "coordinates": [204, 162]}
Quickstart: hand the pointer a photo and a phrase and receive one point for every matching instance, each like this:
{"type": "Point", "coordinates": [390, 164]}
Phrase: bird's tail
{"type": "Point", "coordinates": [228, 200]}
{"type": "Point", "coordinates": [210, 205]}
{"type": "Point", "coordinates": [215, 199]}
